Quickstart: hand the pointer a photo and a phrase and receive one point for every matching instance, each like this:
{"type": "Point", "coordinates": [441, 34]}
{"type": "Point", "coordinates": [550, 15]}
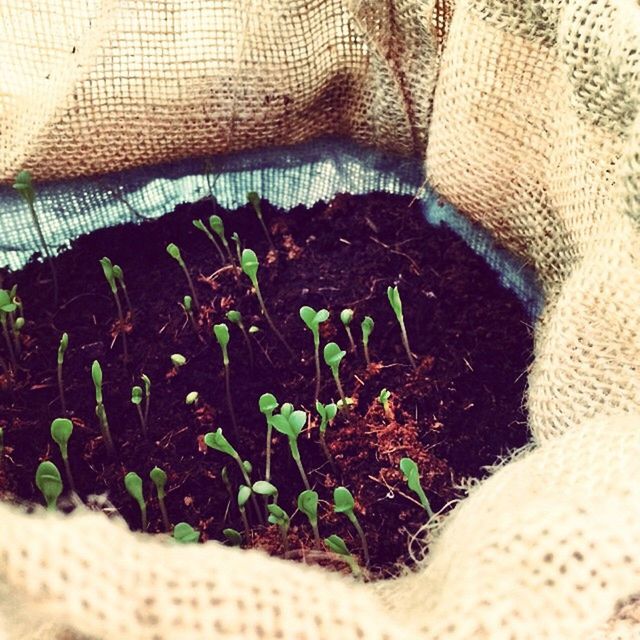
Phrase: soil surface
{"type": "Point", "coordinates": [459, 410]}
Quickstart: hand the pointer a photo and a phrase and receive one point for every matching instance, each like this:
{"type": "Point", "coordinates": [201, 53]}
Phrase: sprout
{"type": "Point", "coordinates": [234, 537]}
{"type": "Point", "coordinates": [367, 327]}
{"type": "Point", "coordinates": [107, 269]}
{"type": "Point", "coordinates": [133, 485]}
{"type": "Point", "coordinates": [49, 482]}
{"type": "Point", "coordinates": [411, 474]}
{"type": "Point", "coordinates": [346, 316]}
{"type": "Point", "coordinates": [254, 329]}
{"type": "Point", "coordinates": [224, 475]}
{"type": "Point", "coordinates": [146, 381]}
{"type": "Point", "coordinates": [136, 399]}
{"type": "Point", "coordinates": [236, 240]}
{"type": "Point", "coordinates": [17, 323]}
{"type": "Point", "coordinates": [178, 360]}
{"type": "Point", "coordinates": [290, 423]}
{"type": "Point", "coordinates": [313, 319]}
{"type": "Point", "coordinates": [327, 413]}
{"type": "Point", "coordinates": [250, 264]}
{"type": "Point", "coordinates": [119, 276]}
{"type": "Point", "coordinates": [159, 479]}
{"type": "Point", "coordinates": [396, 304]}
{"type": "Point", "coordinates": [308, 504]}
{"type": "Point", "coordinates": [192, 398]}
{"type": "Point", "coordinates": [235, 317]}
{"type": "Point", "coordinates": [279, 517]}
{"type": "Point", "coordinates": [24, 186]}
{"type": "Point", "coordinates": [337, 545]}
{"type": "Point", "coordinates": [7, 307]}
{"type": "Point", "coordinates": [221, 331]}
{"type": "Point", "coordinates": [174, 252]}
{"type": "Point", "coordinates": [383, 399]}
{"type": "Point", "coordinates": [96, 374]}
{"type": "Point", "coordinates": [333, 356]}
{"type": "Point", "coordinates": [268, 404]}
{"type": "Point", "coordinates": [244, 493]}
{"type": "Point", "coordinates": [62, 348]}
{"type": "Point", "coordinates": [254, 200]}
{"type": "Point", "coordinates": [61, 430]}
{"type": "Point", "coordinates": [198, 224]}
{"type": "Point", "coordinates": [187, 306]}
{"type": "Point", "coordinates": [264, 488]}
{"type": "Point", "coordinates": [185, 534]}
{"type": "Point", "coordinates": [344, 503]}
{"type": "Point", "coordinates": [217, 226]}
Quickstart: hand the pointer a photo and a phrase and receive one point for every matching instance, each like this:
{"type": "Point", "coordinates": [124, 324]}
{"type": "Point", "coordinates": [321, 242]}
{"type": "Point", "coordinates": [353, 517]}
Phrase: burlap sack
{"type": "Point", "coordinates": [528, 115]}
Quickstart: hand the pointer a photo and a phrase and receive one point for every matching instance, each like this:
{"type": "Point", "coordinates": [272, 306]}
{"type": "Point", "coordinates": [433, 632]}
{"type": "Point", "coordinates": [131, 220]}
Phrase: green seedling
{"type": "Point", "coordinates": [146, 383]}
{"type": "Point", "coordinates": [308, 504]}
{"type": "Point", "coordinates": [24, 186]}
{"type": "Point", "coordinates": [133, 485]}
{"type": "Point", "coordinates": [383, 399]}
{"type": "Point", "coordinates": [236, 318]}
{"type": "Point", "coordinates": [49, 482]}
{"type": "Point", "coordinates": [412, 475]}
{"type": "Point", "coordinates": [178, 360]}
{"type": "Point", "coordinates": [346, 316]}
{"type": "Point", "coordinates": [18, 326]}
{"type": "Point", "coordinates": [17, 322]}
{"type": "Point", "coordinates": [290, 423]}
{"type": "Point", "coordinates": [198, 224]}
{"type": "Point", "coordinates": [62, 348]}
{"type": "Point", "coordinates": [221, 332]}
{"type": "Point", "coordinates": [236, 241]}
{"type": "Point", "coordinates": [159, 479]}
{"type": "Point", "coordinates": [174, 252]}
{"type": "Point", "coordinates": [268, 404]}
{"type": "Point", "coordinates": [313, 319]}
{"type": "Point", "coordinates": [327, 414]}
{"type": "Point", "coordinates": [333, 357]}
{"type": "Point", "coordinates": [7, 308]}
{"type": "Point", "coordinates": [344, 503]}
{"type": "Point", "coordinates": [254, 200]}
{"type": "Point", "coordinates": [119, 276]}
{"type": "Point", "coordinates": [192, 398]}
{"type": "Point", "coordinates": [244, 494]}
{"type": "Point", "coordinates": [217, 226]}
{"type": "Point", "coordinates": [264, 488]}
{"type": "Point", "coordinates": [185, 534]}
{"type": "Point", "coordinates": [396, 304]}
{"type": "Point", "coordinates": [279, 517]}
{"type": "Point", "coordinates": [187, 307]}
{"type": "Point", "coordinates": [224, 475]}
{"type": "Point", "coordinates": [110, 276]}
{"type": "Point", "coordinates": [338, 546]}
{"type": "Point", "coordinates": [249, 263]}
{"type": "Point", "coordinates": [96, 375]}
{"type": "Point", "coordinates": [61, 430]}
{"type": "Point", "coordinates": [367, 328]}
{"type": "Point", "coordinates": [234, 537]}
{"type": "Point", "coordinates": [136, 399]}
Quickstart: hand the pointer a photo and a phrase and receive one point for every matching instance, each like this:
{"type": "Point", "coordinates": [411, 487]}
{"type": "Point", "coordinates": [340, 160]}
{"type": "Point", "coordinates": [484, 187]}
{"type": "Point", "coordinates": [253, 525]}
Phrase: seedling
{"type": "Point", "coordinates": [96, 375]}
{"type": "Point", "coordinates": [290, 423]}
{"type": "Point", "coordinates": [234, 537]}
{"type": "Point", "coordinates": [221, 332]}
{"type": "Point", "coordinates": [346, 316]}
{"type": "Point", "coordinates": [264, 488]}
{"type": "Point", "coordinates": [327, 414]}
{"type": "Point", "coordinates": [235, 317]}
{"type": "Point", "coordinates": [24, 186]}
{"type": "Point", "coordinates": [185, 534]}
{"type": "Point", "coordinates": [367, 327]}
{"type": "Point", "coordinates": [244, 493]}
{"type": "Point", "coordinates": [308, 504]}
{"type": "Point", "coordinates": [133, 485]}
{"type": "Point", "coordinates": [412, 475]}
{"type": "Point", "coordinates": [279, 517]}
{"type": "Point", "coordinates": [250, 264]}
{"type": "Point", "coordinates": [191, 398]}
{"type": "Point", "coordinates": [119, 276]}
{"type": "Point", "coordinates": [236, 241]}
{"type": "Point", "coordinates": [198, 224]}
{"type": "Point", "coordinates": [7, 307]}
{"type": "Point", "coordinates": [338, 546]}
{"type": "Point", "coordinates": [313, 319]}
{"type": "Point", "coordinates": [178, 360]}
{"type": "Point", "coordinates": [344, 503]}
{"type": "Point", "coordinates": [333, 357]}
{"type": "Point", "coordinates": [187, 306]}
{"type": "Point", "coordinates": [107, 269]}
{"type": "Point", "coordinates": [61, 430]}
{"type": "Point", "coordinates": [224, 475]}
{"type": "Point", "coordinates": [136, 399]}
{"type": "Point", "coordinates": [146, 383]}
{"type": "Point", "coordinates": [174, 252]}
{"type": "Point", "coordinates": [49, 482]}
{"type": "Point", "coordinates": [396, 304]}
{"type": "Point", "coordinates": [268, 404]}
{"type": "Point", "coordinates": [217, 226]}
{"type": "Point", "coordinates": [62, 348]}
{"type": "Point", "coordinates": [254, 199]}
{"type": "Point", "coordinates": [383, 399]}
{"type": "Point", "coordinates": [159, 479]}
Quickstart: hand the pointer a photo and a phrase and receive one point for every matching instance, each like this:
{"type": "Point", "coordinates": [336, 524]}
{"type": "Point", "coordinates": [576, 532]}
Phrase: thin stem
{"type": "Point", "coordinates": [284, 534]}
{"type": "Point", "coordinates": [267, 471]}
{"type": "Point", "coordinates": [122, 331]}
{"type": "Point", "coordinates": [165, 515]}
{"type": "Point", "coordinates": [248, 343]}
{"type": "Point", "coordinates": [227, 384]}
{"type": "Point", "coordinates": [266, 232]}
{"type": "Point", "coordinates": [247, 481]}
{"type": "Point", "coordinates": [366, 353]}
{"type": "Point", "coordinates": [45, 250]}
{"type": "Point", "coordinates": [143, 515]}
{"type": "Point", "coordinates": [245, 522]}
{"type": "Point", "coordinates": [15, 333]}
{"type": "Point", "coordinates": [318, 373]}
{"type": "Point", "coordinates": [350, 336]}
{"type": "Point", "coordinates": [147, 402]}
{"type": "Point", "coordinates": [67, 468]}
{"type": "Point", "coordinates": [405, 342]}
{"type": "Point", "coordinates": [104, 428]}
{"type": "Point", "coordinates": [143, 424]}
{"type": "Point", "coordinates": [316, 535]}
{"type": "Point", "coordinates": [363, 540]}
{"type": "Point", "coordinates": [63, 404]}
{"type": "Point", "coordinates": [340, 390]}
{"type": "Point", "coordinates": [295, 454]}
{"type": "Point", "coordinates": [126, 296]}
{"type": "Point", "coordinates": [216, 245]}
{"type": "Point", "coordinates": [191, 287]}
{"type": "Point", "coordinates": [7, 339]}
{"type": "Point", "coordinates": [327, 453]}
{"type": "Point", "coordinates": [270, 321]}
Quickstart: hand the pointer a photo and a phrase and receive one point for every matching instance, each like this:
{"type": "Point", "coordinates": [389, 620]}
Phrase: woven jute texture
{"type": "Point", "coordinates": [527, 114]}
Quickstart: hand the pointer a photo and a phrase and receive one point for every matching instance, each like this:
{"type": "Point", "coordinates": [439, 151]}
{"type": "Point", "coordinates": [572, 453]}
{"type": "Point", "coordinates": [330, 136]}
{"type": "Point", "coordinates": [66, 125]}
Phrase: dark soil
{"type": "Point", "coordinates": [459, 411]}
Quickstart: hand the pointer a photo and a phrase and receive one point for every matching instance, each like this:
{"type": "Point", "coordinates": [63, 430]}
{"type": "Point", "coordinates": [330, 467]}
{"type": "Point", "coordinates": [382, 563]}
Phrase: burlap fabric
{"type": "Point", "coordinates": [528, 115]}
